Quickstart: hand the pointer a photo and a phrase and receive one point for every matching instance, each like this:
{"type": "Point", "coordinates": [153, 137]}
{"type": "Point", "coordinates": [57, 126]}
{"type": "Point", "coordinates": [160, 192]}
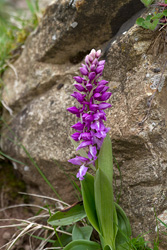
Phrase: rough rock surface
{"type": "Point", "coordinates": [38, 92]}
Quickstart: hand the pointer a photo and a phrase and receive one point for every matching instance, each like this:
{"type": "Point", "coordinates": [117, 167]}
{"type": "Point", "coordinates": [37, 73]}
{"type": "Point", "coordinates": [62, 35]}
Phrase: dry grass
{"type": "Point", "coordinates": [34, 226]}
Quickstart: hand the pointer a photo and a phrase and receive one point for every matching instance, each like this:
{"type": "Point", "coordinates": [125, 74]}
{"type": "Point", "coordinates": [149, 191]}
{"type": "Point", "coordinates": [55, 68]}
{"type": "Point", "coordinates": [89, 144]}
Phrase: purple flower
{"type": "Point", "coordinates": [75, 136]}
{"type": "Point", "coordinates": [99, 69]}
{"type": "Point", "coordinates": [83, 144]}
{"type": "Point", "coordinates": [92, 75]}
{"type": "Point", "coordinates": [81, 173]}
{"type": "Point", "coordinates": [80, 98]}
{"type": "Point", "coordinates": [83, 70]}
{"type": "Point", "coordinates": [80, 87]}
{"type": "Point", "coordinates": [91, 129]}
{"type": "Point", "coordinates": [78, 79]}
{"type": "Point", "coordinates": [78, 160]}
{"type": "Point", "coordinates": [78, 126]}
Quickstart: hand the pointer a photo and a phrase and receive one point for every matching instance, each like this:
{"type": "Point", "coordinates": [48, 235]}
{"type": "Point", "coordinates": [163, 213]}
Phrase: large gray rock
{"type": "Point", "coordinates": [133, 64]}
{"type": "Point", "coordinates": [38, 92]}
{"type": "Point", "coordinates": [57, 39]}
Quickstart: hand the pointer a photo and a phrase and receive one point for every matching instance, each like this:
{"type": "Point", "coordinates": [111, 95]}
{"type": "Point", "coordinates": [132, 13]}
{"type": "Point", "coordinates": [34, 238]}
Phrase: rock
{"type": "Point", "coordinates": [53, 42]}
{"type": "Point", "coordinates": [40, 93]}
{"type": "Point", "coordinates": [139, 147]}
{"type": "Point", "coordinates": [27, 247]}
{"type": "Point", "coordinates": [6, 236]}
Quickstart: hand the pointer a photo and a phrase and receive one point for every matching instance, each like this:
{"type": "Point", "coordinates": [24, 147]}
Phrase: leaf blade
{"type": "Point", "coordinates": [124, 228]}
{"type": "Point", "coordinates": [87, 186]}
{"type": "Point", "coordinates": [105, 208]}
{"type": "Point", "coordinates": [81, 233]}
{"type": "Point", "coordinates": [82, 245]}
{"type": "Point", "coordinates": [68, 216]}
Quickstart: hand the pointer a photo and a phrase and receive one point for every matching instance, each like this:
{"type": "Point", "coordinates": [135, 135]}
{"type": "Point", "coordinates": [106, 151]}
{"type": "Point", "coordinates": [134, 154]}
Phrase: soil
{"type": "Point", "coordinates": [10, 185]}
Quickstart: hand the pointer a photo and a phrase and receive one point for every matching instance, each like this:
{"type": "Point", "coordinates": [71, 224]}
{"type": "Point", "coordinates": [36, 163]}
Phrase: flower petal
{"type": "Point", "coordinates": [78, 160]}
{"type": "Point", "coordinates": [104, 105]}
{"type": "Point", "coordinates": [83, 144]}
{"type": "Point", "coordinates": [78, 126]}
{"type": "Point", "coordinates": [81, 173]}
{"type": "Point", "coordinates": [73, 110]}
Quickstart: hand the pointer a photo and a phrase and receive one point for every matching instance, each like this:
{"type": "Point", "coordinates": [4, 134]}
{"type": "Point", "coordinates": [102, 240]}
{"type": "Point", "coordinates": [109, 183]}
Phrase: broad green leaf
{"type": "Point", "coordinates": [105, 159]}
{"type": "Point", "coordinates": [68, 216]}
{"type": "Point", "coordinates": [150, 22]}
{"type": "Point", "coordinates": [156, 248]}
{"type": "Point", "coordinates": [105, 208]}
{"type": "Point", "coordinates": [158, 16]}
{"type": "Point", "coordinates": [64, 238]}
{"type": "Point", "coordinates": [81, 233]}
{"type": "Point", "coordinates": [165, 1]}
{"type": "Point", "coordinates": [151, 25]}
{"type": "Point", "coordinates": [149, 17]}
{"type": "Point", "coordinates": [124, 228]}
{"type": "Point", "coordinates": [82, 245]}
{"type": "Point", "coordinates": [87, 187]}
{"type": "Point", "coordinates": [108, 248]}
{"type": "Point", "coordinates": [164, 13]}
{"type": "Point", "coordinates": [140, 21]}
{"type": "Point", "coordinates": [147, 2]}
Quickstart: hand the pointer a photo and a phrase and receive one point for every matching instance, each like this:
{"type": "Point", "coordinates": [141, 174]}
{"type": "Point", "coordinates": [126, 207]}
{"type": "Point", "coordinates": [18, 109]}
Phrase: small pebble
{"type": "Point", "coordinates": [27, 247]}
{"type": "Point", "coordinates": [6, 236]}
{"type": "Point", "coordinates": [156, 70]}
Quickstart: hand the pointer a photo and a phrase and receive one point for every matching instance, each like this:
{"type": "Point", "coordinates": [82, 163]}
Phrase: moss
{"type": "Point", "coordinates": [10, 181]}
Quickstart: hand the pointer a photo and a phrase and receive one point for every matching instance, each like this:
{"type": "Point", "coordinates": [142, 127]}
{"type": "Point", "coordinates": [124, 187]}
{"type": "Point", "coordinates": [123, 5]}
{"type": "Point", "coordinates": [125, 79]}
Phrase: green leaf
{"type": "Point", "coordinates": [64, 238]}
{"type": "Point", "coordinates": [124, 228]}
{"type": "Point", "coordinates": [108, 248]}
{"type": "Point", "coordinates": [12, 159]}
{"type": "Point", "coordinates": [140, 21]}
{"type": "Point", "coordinates": [104, 198]}
{"type": "Point", "coordinates": [87, 187]}
{"type": "Point", "coordinates": [30, 6]}
{"type": "Point", "coordinates": [82, 245]}
{"type": "Point", "coordinates": [68, 216]}
{"type": "Point", "coordinates": [105, 159]}
{"type": "Point", "coordinates": [81, 233]}
{"type": "Point", "coordinates": [105, 207]}
{"type": "Point", "coordinates": [165, 1]}
{"type": "Point", "coordinates": [147, 2]}
{"type": "Point", "coordinates": [158, 16]}
{"type": "Point", "coordinates": [150, 22]}
{"type": "Point", "coordinates": [165, 225]}
{"type": "Point", "coordinates": [151, 25]}
{"type": "Point", "coordinates": [149, 17]}
{"type": "Point", "coordinates": [164, 13]}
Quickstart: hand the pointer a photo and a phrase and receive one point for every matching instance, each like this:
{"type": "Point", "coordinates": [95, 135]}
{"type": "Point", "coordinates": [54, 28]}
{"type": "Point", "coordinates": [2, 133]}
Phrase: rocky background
{"type": "Point", "coordinates": [37, 93]}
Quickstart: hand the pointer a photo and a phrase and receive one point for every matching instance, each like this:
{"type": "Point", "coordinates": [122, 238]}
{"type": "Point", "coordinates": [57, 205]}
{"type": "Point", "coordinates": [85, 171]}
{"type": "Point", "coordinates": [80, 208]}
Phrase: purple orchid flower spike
{"type": "Point", "coordinates": [91, 97]}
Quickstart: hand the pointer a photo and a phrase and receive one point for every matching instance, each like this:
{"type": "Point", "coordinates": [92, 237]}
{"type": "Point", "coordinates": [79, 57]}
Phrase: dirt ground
{"type": "Point", "coordinates": [7, 233]}
{"type": "Point", "coordinates": [25, 206]}
{"type": "Point", "coordinates": [10, 185]}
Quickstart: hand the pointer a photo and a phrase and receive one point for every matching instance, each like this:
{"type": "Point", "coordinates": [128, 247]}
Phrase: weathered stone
{"type": "Point", "coordinates": [6, 236]}
{"type": "Point", "coordinates": [41, 95]}
{"type": "Point", "coordinates": [85, 23]}
{"type": "Point", "coordinates": [140, 148]}
{"type": "Point", "coordinates": [97, 22]}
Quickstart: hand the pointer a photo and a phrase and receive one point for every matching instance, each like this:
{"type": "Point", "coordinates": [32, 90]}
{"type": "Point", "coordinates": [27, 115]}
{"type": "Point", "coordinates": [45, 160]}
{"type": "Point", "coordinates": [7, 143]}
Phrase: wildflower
{"type": "Point", "coordinates": [91, 130]}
